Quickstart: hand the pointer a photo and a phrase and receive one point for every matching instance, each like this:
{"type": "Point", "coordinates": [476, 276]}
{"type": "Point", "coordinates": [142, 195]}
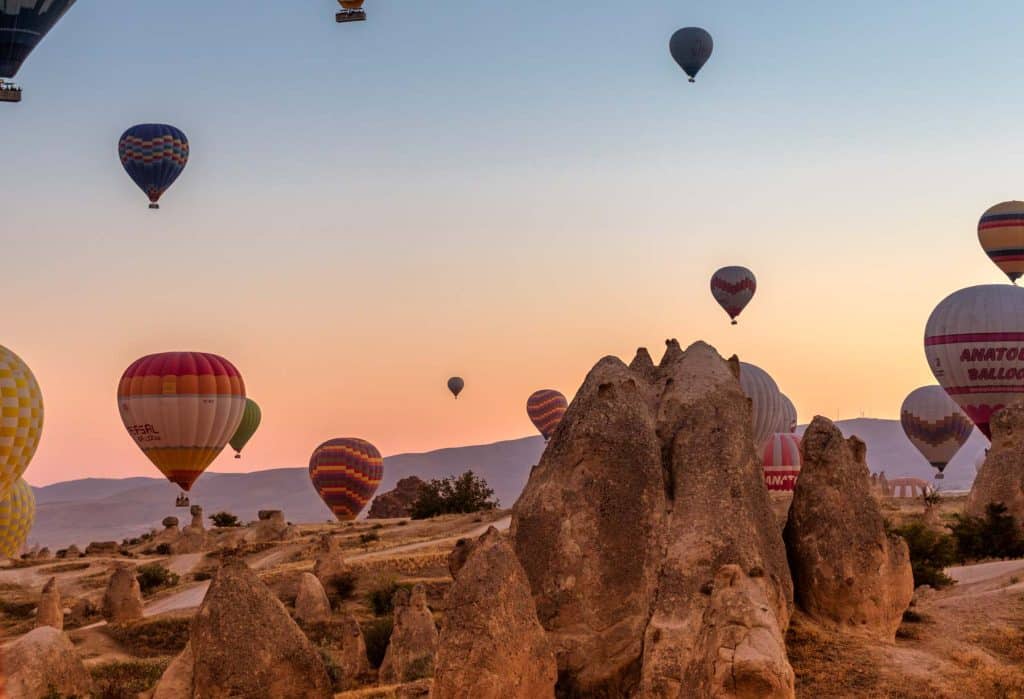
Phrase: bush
{"type": "Point", "coordinates": [151, 638]}
{"type": "Point", "coordinates": [126, 680]}
{"type": "Point", "coordinates": [343, 584]}
{"type": "Point", "coordinates": [377, 526]}
{"type": "Point", "coordinates": [467, 493]}
{"type": "Point", "coordinates": [154, 576]}
{"type": "Point", "coordinates": [381, 595]}
{"type": "Point", "coordinates": [201, 575]}
{"type": "Point", "coordinates": [930, 553]}
{"type": "Point", "coordinates": [377, 636]}
{"type": "Point", "coordinates": [224, 519]}
{"type": "Point", "coordinates": [996, 535]}
{"type": "Point", "coordinates": [164, 550]}
{"type": "Point", "coordinates": [368, 537]}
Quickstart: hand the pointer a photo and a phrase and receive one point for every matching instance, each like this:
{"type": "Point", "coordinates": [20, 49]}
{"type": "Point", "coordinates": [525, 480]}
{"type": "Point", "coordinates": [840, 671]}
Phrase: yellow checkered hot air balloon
{"type": "Point", "coordinates": [17, 513]}
{"type": "Point", "coordinates": [21, 418]}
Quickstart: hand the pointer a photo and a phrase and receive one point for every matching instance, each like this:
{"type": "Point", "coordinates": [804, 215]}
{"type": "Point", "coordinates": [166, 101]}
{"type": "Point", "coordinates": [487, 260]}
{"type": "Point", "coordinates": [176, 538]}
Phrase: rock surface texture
{"type": "Point", "coordinates": [649, 487]}
{"type": "Point", "coordinates": [397, 502]}
{"type": "Point", "coordinates": [410, 655]}
{"type": "Point", "coordinates": [848, 573]}
{"type": "Point", "coordinates": [491, 644]}
{"type": "Point", "coordinates": [1001, 477]}
{"type": "Point", "coordinates": [44, 663]}
{"type": "Point", "coordinates": [311, 603]}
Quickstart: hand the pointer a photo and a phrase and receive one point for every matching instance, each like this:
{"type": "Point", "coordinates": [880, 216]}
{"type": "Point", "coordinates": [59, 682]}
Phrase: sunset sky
{"type": "Point", "coordinates": [505, 191]}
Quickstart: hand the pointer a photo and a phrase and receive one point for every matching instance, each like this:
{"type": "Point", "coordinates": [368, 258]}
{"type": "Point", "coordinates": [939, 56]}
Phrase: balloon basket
{"type": "Point", "coordinates": [693, 80]}
{"type": "Point", "coordinates": [9, 92]}
{"type": "Point", "coordinates": [154, 206]}
{"type": "Point", "coordinates": [238, 456]}
{"type": "Point", "coordinates": [734, 323]}
{"type": "Point", "coordinates": [350, 16]}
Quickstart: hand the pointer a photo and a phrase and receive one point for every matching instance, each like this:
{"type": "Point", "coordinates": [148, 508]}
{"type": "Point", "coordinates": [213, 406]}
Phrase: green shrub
{"type": "Point", "coordinates": [381, 595]}
{"type": "Point", "coordinates": [154, 576]}
{"type": "Point", "coordinates": [202, 575]}
{"type": "Point", "coordinates": [164, 550]}
{"type": "Point", "coordinates": [126, 679]}
{"type": "Point", "coordinates": [343, 584]}
{"type": "Point", "coordinates": [378, 525]}
{"type": "Point", "coordinates": [149, 638]}
{"type": "Point", "coordinates": [377, 636]}
{"type": "Point", "coordinates": [467, 493]}
{"type": "Point", "coordinates": [996, 535]}
{"type": "Point", "coordinates": [368, 537]}
{"type": "Point", "coordinates": [930, 553]}
{"type": "Point", "coordinates": [224, 519]}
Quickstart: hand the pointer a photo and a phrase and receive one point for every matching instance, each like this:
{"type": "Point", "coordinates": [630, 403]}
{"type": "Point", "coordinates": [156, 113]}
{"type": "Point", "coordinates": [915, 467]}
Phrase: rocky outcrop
{"type": "Point", "coordinates": [270, 526]}
{"type": "Point", "coordinates": [70, 552]}
{"type": "Point", "coordinates": [311, 603]}
{"type": "Point", "coordinates": [43, 554]}
{"type": "Point", "coordinates": [44, 663]}
{"type": "Point", "coordinates": [341, 639]}
{"type": "Point", "coordinates": [170, 523]}
{"type": "Point", "coordinates": [848, 573]}
{"type": "Point", "coordinates": [245, 644]}
{"type": "Point", "coordinates": [193, 536]}
{"type": "Point", "coordinates": [122, 601]}
{"type": "Point", "coordinates": [398, 502]}
{"type": "Point", "coordinates": [102, 548]}
{"type": "Point", "coordinates": [330, 561]}
{"type": "Point", "coordinates": [491, 645]}
{"type": "Point", "coordinates": [1001, 477]}
{"type": "Point", "coordinates": [50, 611]}
{"type": "Point", "coordinates": [177, 682]}
{"type": "Point", "coordinates": [410, 655]}
{"type": "Point", "coordinates": [650, 486]}
{"type": "Point", "coordinates": [83, 611]}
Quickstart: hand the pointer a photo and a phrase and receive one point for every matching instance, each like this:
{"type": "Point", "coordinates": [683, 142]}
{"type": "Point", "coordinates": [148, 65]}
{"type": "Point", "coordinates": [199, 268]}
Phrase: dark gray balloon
{"type": "Point", "coordinates": [455, 385]}
{"type": "Point", "coordinates": [691, 48]}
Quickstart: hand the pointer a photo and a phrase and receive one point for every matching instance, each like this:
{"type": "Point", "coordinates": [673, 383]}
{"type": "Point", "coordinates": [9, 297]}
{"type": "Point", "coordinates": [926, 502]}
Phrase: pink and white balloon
{"type": "Point", "coordinates": [733, 287]}
{"type": "Point", "coordinates": [780, 456]}
{"type": "Point", "coordinates": [935, 425]}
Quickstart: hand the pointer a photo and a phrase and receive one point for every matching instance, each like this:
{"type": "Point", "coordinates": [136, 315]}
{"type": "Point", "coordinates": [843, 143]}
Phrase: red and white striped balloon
{"type": "Point", "coordinates": [780, 455]}
{"type": "Point", "coordinates": [733, 287]}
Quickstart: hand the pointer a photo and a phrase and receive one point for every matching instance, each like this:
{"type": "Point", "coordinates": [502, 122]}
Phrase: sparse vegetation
{"type": "Point", "coordinates": [377, 526]}
{"type": "Point", "coordinates": [467, 493]}
{"type": "Point", "coordinates": [342, 585]}
{"type": "Point", "coordinates": [382, 593]}
{"type": "Point", "coordinates": [17, 610]}
{"type": "Point", "coordinates": [152, 637]}
{"type": "Point", "coordinates": [164, 550]}
{"type": "Point", "coordinates": [368, 537]}
{"type": "Point", "coordinates": [996, 535]}
{"type": "Point", "coordinates": [931, 552]}
{"type": "Point", "coordinates": [200, 575]}
{"type": "Point", "coordinates": [377, 636]}
{"type": "Point", "coordinates": [154, 576]}
{"type": "Point", "coordinates": [63, 568]}
{"type": "Point", "coordinates": [126, 680]}
{"type": "Point", "coordinates": [223, 520]}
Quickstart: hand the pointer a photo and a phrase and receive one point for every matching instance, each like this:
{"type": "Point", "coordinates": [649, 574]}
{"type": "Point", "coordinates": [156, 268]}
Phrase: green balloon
{"type": "Point", "coordinates": [247, 427]}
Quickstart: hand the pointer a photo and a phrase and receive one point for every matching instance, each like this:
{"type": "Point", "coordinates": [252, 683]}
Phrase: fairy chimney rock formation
{"type": "Point", "coordinates": [122, 601]}
{"type": "Point", "coordinates": [848, 573]}
{"type": "Point", "coordinates": [50, 611]}
{"type": "Point", "coordinates": [311, 603]}
{"type": "Point", "coordinates": [1001, 477]}
{"type": "Point", "coordinates": [410, 655]}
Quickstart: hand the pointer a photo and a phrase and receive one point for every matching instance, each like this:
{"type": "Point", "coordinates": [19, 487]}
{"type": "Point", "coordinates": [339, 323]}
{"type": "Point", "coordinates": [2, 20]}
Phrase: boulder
{"type": "Point", "coordinates": [398, 502]}
{"type": "Point", "coordinates": [491, 644]}
{"type": "Point", "coordinates": [72, 552]}
{"type": "Point", "coordinates": [102, 548]}
{"type": "Point", "coordinates": [1001, 477]}
{"type": "Point", "coordinates": [849, 574]}
{"type": "Point", "coordinates": [193, 536]}
{"type": "Point", "coordinates": [170, 523]}
{"type": "Point", "coordinates": [50, 611]}
{"type": "Point", "coordinates": [245, 644]}
{"type": "Point", "coordinates": [44, 554]}
{"type": "Point", "coordinates": [648, 488]}
{"type": "Point", "coordinates": [122, 600]}
{"type": "Point", "coordinates": [270, 526]}
{"type": "Point", "coordinates": [177, 682]}
{"type": "Point", "coordinates": [44, 663]}
{"type": "Point", "coordinates": [311, 603]}
{"type": "Point", "coordinates": [410, 654]}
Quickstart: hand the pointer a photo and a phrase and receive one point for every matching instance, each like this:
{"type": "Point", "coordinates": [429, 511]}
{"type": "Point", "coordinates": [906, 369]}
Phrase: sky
{"type": "Point", "coordinates": [504, 191]}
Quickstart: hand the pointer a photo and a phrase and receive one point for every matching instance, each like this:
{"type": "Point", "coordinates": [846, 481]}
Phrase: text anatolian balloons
{"type": "Point", "coordinates": [691, 48]}
{"type": "Point", "coordinates": [974, 343]}
{"type": "Point", "coordinates": [181, 408]}
{"type": "Point", "coordinates": [1001, 234]}
{"type": "Point", "coordinates": [546, 409]}
{"type": "Point", "coordinates": [345, 473]}
{"type": "Point", "coordinates": [780, 456]}
{"type": "Point", "coordinates": [21, 418]}
{"type": "Point", "coordinates": [935, 425]}
{"type": "Point", "coordinates": [17, 514]}
{"type": "Point", "coordinates": [733, 287]}
{"type": "Point", "coordinates": [768, 408]}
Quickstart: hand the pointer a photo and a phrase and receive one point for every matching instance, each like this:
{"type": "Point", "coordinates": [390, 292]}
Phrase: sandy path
{"type": "Point", "coordinates": [980, 572]}
{"type": "Point", "coordinates": [501, 524]}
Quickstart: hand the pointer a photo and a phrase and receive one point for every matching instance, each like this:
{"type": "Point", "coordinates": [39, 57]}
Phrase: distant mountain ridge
{"type": "Point", "coordinates": [98, 509]}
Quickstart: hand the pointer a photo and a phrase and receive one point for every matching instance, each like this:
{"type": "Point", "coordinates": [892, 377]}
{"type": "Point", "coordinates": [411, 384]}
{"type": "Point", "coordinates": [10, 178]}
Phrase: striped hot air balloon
{"type": "Point", "coordinates": [733, 287]}
{"type": "Point", "coordinates": [345, 473]}
{"type": "Point", "coordinates": [181, 408]}
{"type": "Point", "coordinates": [935, 425]}
{"type": "Point", "coordinates": [769, 413]}
{"type": "Point", "coordinates": [17, 514]}
{"type": "Point", "coordinates": [974, 343]}
{"type": "Point", "coordinates": [1001, 234]}
{"type": "Point", "coordinates": [21, 418]}
{"type": "Point", "coordinates": [153, 155]}
{"type": "Point", "coordinates": [23, 24]}
{"type": "Point", "coordinates": [780, 455]}
{"type": "Point", "coordinates": [546, 409]}
{"type": "Point", "coordinates": [251, 417]}
{"type": "Point", "coordinates": [790, 412]}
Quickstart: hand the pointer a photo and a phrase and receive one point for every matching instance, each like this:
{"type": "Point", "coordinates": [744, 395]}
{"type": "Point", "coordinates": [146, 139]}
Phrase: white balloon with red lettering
{"type": "Point", "coordinates": [974, 343]}
{"type": "Point", "coordinates": [935, 425]}
{"type": "Point", "coordinates": [769, 412]}
{"type": "Point", "coordinates": [780, 455]}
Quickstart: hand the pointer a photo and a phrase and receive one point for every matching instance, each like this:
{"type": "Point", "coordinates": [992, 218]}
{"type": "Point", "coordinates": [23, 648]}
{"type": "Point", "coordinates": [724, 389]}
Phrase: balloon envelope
{"type": "Point", "coordinates": [455, 385]}
{"type": "Point", "coordinates": [769, 414]}
{"type": "Point", "coordinates": [345, 473]}
{"type": "Point", "coordinates": [17, 514]}
{"type": "Point", "coordinates": [974, 343]}
{"type": "Point", "coordinates": [181, 408]}
{"type": "Point", "coordinates": [733, 287]}
{"type": "Point", "coordinates": [789, 410]}
{"type": "Point", "coordinates": [1001, 234]}
{"type": "Point", "coordinates": [691, 48]}
{"type": "Point", "coordinates": [546, 409]}
{"type": "Point", "coordinates": [23, 25]}
{"type": "Point", "coordinates": [21, 418]}
{"type": "Point", "coordinates": [153, 155]}
{"type": "Point", "coordinates": [934, 424]}
{"type": "Point", "coordinates": [251, 417]}
{"type": "Point", "coordinates": [780, 455]}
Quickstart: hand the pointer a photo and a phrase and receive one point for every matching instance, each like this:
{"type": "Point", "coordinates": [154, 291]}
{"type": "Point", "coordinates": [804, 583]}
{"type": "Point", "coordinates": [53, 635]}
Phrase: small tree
{"type": "Point", "coordinates": [996, 535]}
{"type": "Point", "coordinates": [930, 553]}
{"type": "Point", "coordinates": [154, 576]}
{"type": "Point", "coordinates": [224, 519]}
{"type": "Point", "coordinates": [466, 493]}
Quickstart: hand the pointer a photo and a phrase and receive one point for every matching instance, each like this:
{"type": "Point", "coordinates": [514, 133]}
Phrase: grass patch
{"type": "Point", "coordinates": [125, 680]}
{"type": "Point", "coordinates": [152, 637]}
{"type": "Point", "coordinates": [343, 585]}
{"type": "Point", "coordinates": [830, 665]}
{"type": "Point", "coordinates": [381, 595]}
{"type": "Point", "coordinates": [64, 568]}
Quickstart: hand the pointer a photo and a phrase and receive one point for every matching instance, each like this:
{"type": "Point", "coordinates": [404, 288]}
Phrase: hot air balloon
{"type": "Point", "coordinates": [181, 408]}
{"type": "Point", "coordinates": [974, 343]}
{"type": "Point", "coordinates": [17, 514]}
{"type": "Point", "coordinates": [546, 408]}
{"type": "Point", "coordinates": [153, 155]}
{"type": "Point", "coordinates": [251, 417]}
{"type": "Point", "coordinates": [691, 48]}
{"type": "Point", "coordinates": [780, 455]}
{"type": "Point", "coordinates": [351, 11]}
{"type": "Point", "coordinates": [733, 287]}
{"type": "Point", "coordinates": [21, 418]}
{"type": "Point", "coordinates": [23, 25]}
{"type": "Point", "coordinates": [455, 385]}
{"type": "Point", "coordinates": [346, 473]}
{"type": "Point", "coordinates": [935, 425]}
{"type": "Point", "coordinates": [1001, 234]}
{"type": "Point", "coordinates": [789, 410]}
{"type": "Point", "coordinates": [768, 410]}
